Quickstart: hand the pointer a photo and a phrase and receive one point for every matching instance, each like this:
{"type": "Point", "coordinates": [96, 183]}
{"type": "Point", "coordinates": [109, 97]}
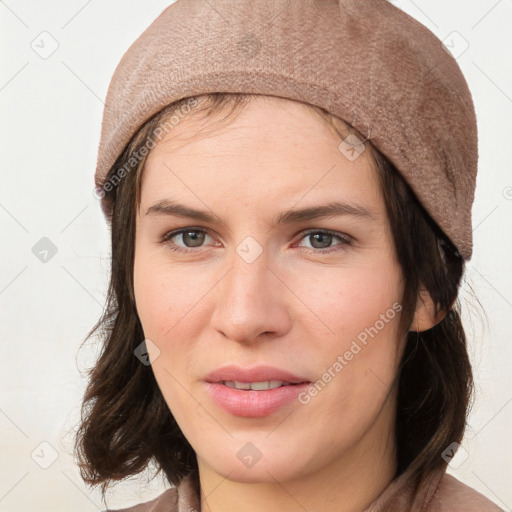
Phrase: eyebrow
{"type": "Point", "coordinates": [332, 209]}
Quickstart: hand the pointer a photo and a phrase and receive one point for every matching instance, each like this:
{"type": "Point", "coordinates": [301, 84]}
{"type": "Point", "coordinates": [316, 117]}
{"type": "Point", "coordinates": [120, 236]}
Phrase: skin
{"type": "Point", "coordinates": [288, 308]}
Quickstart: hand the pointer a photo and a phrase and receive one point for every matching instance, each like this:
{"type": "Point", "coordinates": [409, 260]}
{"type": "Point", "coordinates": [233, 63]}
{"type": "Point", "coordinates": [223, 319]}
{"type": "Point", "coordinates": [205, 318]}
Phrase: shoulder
{"type": "Point", "coordinates": [166, 502]}
{"type": "Point", "coordinates": [452, 496]}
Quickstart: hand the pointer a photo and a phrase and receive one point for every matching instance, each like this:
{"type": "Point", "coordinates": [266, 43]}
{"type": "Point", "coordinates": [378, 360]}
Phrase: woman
{"type": "Point", "coordinates": [291, 216]}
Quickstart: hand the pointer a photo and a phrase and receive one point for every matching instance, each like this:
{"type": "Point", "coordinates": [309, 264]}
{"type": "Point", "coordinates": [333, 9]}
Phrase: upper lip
{"type": "Point", "coordinates": [256, 374]}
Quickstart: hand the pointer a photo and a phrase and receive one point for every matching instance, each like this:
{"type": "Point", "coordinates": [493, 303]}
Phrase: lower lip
{"type": "Point", "coordinates": [251, 403]}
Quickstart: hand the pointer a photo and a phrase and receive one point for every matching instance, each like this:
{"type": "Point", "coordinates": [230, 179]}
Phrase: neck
{"type": "Point", "coordinates": [347, 484]}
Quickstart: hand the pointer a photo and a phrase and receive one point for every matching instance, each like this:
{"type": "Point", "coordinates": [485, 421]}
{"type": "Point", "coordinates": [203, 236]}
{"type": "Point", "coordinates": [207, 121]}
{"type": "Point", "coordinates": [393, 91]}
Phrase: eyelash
{"type": "Point", "coordinates": [345, 240]}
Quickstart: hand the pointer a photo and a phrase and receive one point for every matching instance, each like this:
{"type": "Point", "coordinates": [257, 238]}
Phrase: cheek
{"type": "Point", "coordinates": [359, 312]}
{"type": "Point", "coordinates": [165, 305]}
{"type": "Point", "coordinates": [171, 308]}
{"type": "Point", "coordinates": [163, 296]}
{"type": "Point", "coordinates": [151, 298]}
{"type": "Point", "coordinates": [343, 302]}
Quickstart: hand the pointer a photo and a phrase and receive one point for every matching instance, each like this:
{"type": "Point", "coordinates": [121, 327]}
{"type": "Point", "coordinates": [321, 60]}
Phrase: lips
{"type": "Point", "coordinates": [270, 390]}
{"type": "Point", "coordinates": [256, 374]}
{"type": "Point", "coordinates": [254, 404]}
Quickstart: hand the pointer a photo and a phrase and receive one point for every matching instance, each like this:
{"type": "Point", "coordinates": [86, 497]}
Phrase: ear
{"type": "Point", "coordinates": [424, 316]}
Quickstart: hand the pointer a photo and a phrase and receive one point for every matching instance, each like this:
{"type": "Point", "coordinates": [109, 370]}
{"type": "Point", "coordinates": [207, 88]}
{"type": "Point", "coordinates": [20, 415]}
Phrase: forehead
{"type": "Point", "coordinates": [274, 149]}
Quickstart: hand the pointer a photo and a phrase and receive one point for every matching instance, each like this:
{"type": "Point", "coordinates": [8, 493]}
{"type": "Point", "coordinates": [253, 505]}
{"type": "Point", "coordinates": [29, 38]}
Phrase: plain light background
{"type": "Point", "coordinates": [51, 110]}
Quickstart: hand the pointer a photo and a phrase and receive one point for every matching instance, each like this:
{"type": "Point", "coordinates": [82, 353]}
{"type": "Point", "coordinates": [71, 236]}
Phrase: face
{"type": "Point", "coordinates": [317, 297]}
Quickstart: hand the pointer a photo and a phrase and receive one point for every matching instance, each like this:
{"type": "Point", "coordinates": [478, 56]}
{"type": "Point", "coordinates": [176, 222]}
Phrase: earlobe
{"type": "Point", "coordinates": [425, 315]}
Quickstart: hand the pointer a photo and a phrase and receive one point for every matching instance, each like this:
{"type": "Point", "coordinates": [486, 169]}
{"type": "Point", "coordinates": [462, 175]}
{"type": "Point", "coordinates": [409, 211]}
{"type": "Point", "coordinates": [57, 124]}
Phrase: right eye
{"type": "Point", "coordinates": [192, 235]}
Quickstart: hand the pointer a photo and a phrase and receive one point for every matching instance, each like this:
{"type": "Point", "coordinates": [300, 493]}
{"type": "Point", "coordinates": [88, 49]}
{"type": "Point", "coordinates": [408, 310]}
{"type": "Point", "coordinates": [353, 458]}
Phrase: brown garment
{"type": "Point", "coordinates": [441, 492]}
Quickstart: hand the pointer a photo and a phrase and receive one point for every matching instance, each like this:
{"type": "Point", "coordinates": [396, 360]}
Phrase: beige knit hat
{"type": "Point", "coordinates": [364, 61]}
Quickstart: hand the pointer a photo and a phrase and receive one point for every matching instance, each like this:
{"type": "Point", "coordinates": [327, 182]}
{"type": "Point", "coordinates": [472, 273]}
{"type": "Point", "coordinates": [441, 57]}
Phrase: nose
{"type": "Point", "coordinates": [251, 300]}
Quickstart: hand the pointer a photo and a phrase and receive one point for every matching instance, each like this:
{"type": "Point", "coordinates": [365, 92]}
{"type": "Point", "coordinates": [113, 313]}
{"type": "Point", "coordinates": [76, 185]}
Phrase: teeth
{"type": "Point", "coordinates": [257, 386]}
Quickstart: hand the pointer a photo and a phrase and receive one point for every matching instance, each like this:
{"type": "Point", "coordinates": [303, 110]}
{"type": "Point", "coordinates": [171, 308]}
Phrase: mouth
{"type": "Point", "coordinates": [255, 399]}
{"type": "Point", "coordinates": [257, 386]}
{"type": "Point", "coordinates": [254, 392]}
{"type": "Point", "coordinates": [256, 378]}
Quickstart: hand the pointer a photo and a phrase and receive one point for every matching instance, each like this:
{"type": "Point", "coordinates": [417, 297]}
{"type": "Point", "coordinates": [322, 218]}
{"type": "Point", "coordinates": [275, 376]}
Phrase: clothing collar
{"type": "Point", "coordinates": [398, 496]}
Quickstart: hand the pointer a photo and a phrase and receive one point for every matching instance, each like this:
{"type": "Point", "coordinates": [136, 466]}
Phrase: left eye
{"type": "Point", "coordinates": [195, 237]}
{"type": "Point", "coordinates": [324, 239]}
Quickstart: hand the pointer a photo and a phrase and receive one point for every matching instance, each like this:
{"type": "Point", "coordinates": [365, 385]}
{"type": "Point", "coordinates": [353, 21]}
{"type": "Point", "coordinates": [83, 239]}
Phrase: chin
{"type": "Point", "coordinates": [266, 469]}
{"type": "Point", "coordinates": [262, 472]}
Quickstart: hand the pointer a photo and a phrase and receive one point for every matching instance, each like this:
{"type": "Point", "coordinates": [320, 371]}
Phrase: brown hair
{"type": "Point", "coordinates": [126, 423]}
